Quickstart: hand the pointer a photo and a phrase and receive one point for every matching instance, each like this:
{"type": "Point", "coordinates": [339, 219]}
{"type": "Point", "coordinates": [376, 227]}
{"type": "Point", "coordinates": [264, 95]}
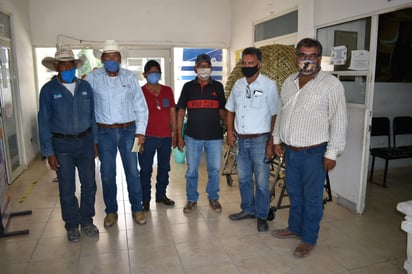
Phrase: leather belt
{"type": "Point", "coordinates": [303, 148]}
{"type": "Point", "coordinates": [124, 125]}
{"type": "Point", "coordinates": [249, 136]}
{"type": "Point", "coordinates": [72, 136]}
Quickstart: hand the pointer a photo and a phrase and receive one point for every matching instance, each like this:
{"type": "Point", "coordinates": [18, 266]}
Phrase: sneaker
{"type": "Point", "coordinates": [139, 217]}
{"type": "Point", "coordinates": [90, 230]}
{"type": "Point", "coordinates": [189, 207]}
{"type": "Point", "coordinates": [215, 205]}
{"type": "Point", "coordinates": [165, 201]}
{"type": "Point", "coordinates": [262, 225]}
{"type": "Point", "coordinates": [110, 219]}
{"type": "Point", "coordinates": [73, 235]}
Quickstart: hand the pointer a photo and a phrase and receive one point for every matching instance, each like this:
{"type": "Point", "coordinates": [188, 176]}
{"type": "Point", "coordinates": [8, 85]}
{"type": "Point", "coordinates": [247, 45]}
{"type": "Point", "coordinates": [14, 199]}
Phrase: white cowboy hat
{"type": "Point", "coordinates": [110, 46]}
{"type": "Point", "coordinates": [62, 54]}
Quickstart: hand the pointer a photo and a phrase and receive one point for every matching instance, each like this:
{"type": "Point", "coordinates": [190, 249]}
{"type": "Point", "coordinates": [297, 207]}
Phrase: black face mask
{"type": "Point", "coordinates": [249, 71]}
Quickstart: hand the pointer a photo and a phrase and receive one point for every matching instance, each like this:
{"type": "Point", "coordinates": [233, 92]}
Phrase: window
{"type": "Point", "coordinates": [279, 26]}
{"type": "Point", "coordinates": [394, 49]}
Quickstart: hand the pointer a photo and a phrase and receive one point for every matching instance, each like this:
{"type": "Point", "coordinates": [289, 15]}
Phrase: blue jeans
{"type": "Point", "coordinates": [111, 139]}
{"type": "Point", "coordinates": [305, 180]}
{"type": "Point", "coordinates": [72, 154]}
{"type": "Point", "coordinates": [213, 150]}
{"type": "Point", "coordinates": [250, 161]}
{"type": "Point", "coordinates": [163, 148]}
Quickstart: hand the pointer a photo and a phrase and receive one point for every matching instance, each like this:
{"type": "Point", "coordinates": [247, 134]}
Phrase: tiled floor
{"type": "Point", "coordinates": [202, 241]}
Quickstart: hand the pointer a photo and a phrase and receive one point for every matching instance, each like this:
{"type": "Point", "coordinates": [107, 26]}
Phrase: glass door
{"type": "Point", "coordinates": [9, 113]}
{"type": "Point", "coordinates": [8, 105]}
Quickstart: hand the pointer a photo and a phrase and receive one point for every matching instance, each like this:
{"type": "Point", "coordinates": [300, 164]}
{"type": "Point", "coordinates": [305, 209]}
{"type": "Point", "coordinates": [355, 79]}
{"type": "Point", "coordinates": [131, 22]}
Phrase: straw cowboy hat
{"type": "Point", "coordinates": [62, 54]}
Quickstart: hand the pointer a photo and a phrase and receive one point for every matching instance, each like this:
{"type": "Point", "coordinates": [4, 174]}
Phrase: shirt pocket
{"type": "Point", "coordinates": [84, 106]}
{"type": "Point", "coordinates": [165, 103]}
{"type": "Point", "coordinates": [257, 99]}
{"type": "Point", "coordinates": [315, 103]}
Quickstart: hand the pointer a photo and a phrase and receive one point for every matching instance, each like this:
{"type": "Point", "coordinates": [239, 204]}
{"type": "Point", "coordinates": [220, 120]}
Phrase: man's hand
{"type": "Point", "coordinates": [53, 163]}
{"type": "Point", "coordinates": [140, 140]}
{"type": "Point", "coordinates": [269, 151]}
{"type": "Point", "coordinates": [328, 164]}
{"type": "Point", "coordinates": [230, 139]}
{"type": "Point", "coordinates": [180, 143]}
{"type": "Point", "coordinates": [96, 150]}
{"type": "Point", "coordinates": [278, 150]}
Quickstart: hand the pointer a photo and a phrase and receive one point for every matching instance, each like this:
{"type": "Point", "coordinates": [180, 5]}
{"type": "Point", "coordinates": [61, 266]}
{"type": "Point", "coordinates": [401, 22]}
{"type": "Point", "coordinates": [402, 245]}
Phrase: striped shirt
{"type": "Point", "coordinates": [312, 115]}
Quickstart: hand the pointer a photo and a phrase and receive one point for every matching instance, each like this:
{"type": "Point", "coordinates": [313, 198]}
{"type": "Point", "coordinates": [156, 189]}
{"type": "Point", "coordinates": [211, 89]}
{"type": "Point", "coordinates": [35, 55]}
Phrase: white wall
{"type": "Point", "coordinates": [26, 91]}
{"type": "Point", "coordinates": [154, 22]}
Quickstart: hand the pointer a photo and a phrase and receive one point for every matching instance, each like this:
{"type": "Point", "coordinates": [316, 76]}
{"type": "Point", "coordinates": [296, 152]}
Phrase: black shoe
{"type": "Point", "coordinates": [262, 225]}
{"type": "Point", "coordinates": [146, 206]}
{"type": "Point", "coordinates": [241, 216]}
{"type": "Point", "coordinates": [165, 201]}
{"type": "Point", "coordinates": [73, 235]}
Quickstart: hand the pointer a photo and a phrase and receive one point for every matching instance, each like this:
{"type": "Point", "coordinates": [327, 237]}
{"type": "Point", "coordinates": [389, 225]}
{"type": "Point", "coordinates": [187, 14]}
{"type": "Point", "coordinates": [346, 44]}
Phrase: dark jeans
{"type": "Point", "coordinates": [72, 154]}
{"type": "Point", "coordinates": [161, 146]}
{"type": "Point", "coordinates": [110, 140]}
{"type": "Point", "coordinates": [305, 180]}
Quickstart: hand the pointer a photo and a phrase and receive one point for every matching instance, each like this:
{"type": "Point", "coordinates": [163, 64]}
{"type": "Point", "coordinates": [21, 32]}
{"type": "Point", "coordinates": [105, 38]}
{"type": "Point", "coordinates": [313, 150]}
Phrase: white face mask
{"type": "Point", "coordinates": [204, 73]}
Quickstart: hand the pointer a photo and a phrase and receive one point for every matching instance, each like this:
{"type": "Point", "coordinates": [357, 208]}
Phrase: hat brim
{"type": "Point", "coordinates": [49, 62]}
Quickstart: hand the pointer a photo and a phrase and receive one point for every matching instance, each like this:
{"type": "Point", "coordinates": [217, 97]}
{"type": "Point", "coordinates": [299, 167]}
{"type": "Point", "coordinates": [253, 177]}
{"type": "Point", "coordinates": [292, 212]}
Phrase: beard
{"type": "Point", "coordinates": [308, 67]}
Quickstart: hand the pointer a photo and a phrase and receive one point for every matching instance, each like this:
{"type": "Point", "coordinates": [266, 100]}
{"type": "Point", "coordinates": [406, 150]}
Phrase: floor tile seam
{"type": "Point", "coordinates": [128, 252]}
{"type": "Point", "coordinates": [390, 261]}
{"type": "Point", "coordinates": [228, 255]}
{"type": "Point", "coordinates": [179, 257]}
{"type": "Point", "coordinates": [41, 236]}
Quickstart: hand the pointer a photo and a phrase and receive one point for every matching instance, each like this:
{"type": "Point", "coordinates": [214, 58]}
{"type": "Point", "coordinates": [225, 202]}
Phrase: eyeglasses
{"type": "Point", "coordinates": [302, 55]}
{"type": "Point", "coordinates": [248, 92]}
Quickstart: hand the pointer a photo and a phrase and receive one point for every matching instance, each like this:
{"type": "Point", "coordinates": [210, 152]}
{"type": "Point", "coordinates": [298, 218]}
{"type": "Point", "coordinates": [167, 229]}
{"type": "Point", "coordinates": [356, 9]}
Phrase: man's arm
{"type": "Point", "coordinates": [173, 118]}
{"type": "Point", "coordinates": [230, 118]}
{"type": "Point", "coordinates": [179, 127]}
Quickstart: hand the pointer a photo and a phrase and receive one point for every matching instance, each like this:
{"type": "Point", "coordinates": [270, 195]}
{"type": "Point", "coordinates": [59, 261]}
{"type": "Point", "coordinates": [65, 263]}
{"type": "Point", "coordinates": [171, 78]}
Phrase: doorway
{"type": "Point", "coordinates": [341, 44]}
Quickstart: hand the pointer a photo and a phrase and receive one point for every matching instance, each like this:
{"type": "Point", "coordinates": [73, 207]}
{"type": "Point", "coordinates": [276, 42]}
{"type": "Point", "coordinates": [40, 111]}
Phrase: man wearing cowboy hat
{"type": "Point", "coordinates": [121, 116]}
{"type": "Point", "coordinates": [67, 130]}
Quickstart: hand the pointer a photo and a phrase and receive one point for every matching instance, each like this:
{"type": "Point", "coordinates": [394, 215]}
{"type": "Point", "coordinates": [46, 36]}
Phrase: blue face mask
{"type": "Point", "coordinates": [68, 75]}
{"type": "Point", "coordinates": [111, 66]}
{"type": "Point", "coordinates": [153, 77]}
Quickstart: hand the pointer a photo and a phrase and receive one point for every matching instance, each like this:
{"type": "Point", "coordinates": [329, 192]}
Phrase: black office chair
{"type": "Point", "coordinates": [381, 127]}
{"type": "Point", "coordinates": [402, 125]}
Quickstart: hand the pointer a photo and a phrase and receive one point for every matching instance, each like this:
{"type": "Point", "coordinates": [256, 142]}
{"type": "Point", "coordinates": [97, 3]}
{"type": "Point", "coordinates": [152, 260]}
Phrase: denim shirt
{"type": "Point", "coordinates": [61, 112]}
{"type": "Point", "coordinates": [119, 99]}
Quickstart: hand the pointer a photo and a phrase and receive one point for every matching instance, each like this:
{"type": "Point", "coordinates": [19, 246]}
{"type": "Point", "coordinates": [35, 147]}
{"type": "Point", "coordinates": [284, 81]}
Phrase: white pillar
{"type": "Point", "coordinates": [406, 208]}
